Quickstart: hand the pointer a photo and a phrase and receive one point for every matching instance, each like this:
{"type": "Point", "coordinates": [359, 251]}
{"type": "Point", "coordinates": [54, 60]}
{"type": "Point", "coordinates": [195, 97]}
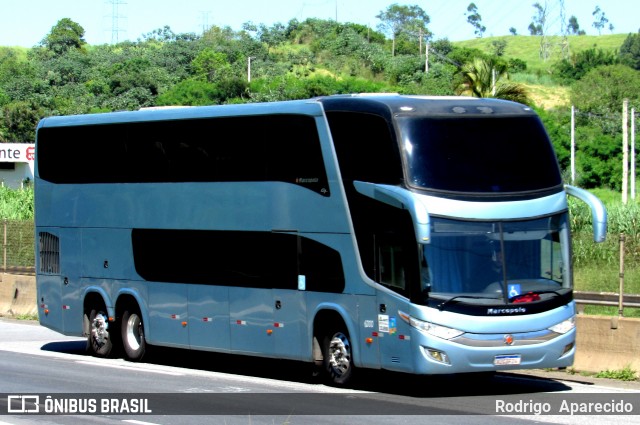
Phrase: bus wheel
{"type": "Point", "coordinates": [337, 357]}
{"type": "Point", "coordinates": [99, 341]}
{"type": "Point", "coordinates": [133, 340]}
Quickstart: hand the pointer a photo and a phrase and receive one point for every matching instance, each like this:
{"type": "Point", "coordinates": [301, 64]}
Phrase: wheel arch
{"type": "Point", "coordinates": [328, 317]}
{"type": "Point", "coordinates": [96, 297]}
{"type": "Point", "coordinates": [132, 299]}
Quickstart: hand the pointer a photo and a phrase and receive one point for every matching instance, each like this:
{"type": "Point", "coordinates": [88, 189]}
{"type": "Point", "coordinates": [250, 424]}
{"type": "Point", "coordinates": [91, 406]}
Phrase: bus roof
{"type": "Point", "coordinates": [390, 103]}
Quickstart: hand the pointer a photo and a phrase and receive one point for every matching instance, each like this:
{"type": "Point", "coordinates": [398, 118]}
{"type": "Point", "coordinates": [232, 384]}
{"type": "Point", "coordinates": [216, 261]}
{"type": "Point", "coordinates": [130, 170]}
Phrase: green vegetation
{"type": "Point", "coordinates": [527, 48]}
{"type": "Point", "coordinates": [626, 374]}
{"type": "Point", "coordinates": [16, 204]}
{"type": "Point", "coordinates": [63, 75]}
{"type": "Point", "coordinates": [597, 266]}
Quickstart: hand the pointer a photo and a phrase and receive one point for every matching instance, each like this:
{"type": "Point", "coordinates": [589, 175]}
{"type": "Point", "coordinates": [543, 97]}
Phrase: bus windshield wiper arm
{"type": "Point", "coordinates": [450, 300]}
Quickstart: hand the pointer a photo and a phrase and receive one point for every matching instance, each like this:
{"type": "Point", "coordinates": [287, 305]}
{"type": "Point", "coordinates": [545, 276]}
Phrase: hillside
{"type": "Point", "coordinates": [527, 48]}
{"type": "Point", "coordinates": [536, 79]}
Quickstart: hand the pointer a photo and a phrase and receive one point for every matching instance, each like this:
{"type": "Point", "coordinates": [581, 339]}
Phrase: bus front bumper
{"type": "Point", "coordinates": [495, 352]}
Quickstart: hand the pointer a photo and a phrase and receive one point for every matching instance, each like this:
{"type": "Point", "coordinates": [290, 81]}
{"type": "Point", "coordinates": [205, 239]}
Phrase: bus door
{"type": "Point", "coordinates": [266, 321]}
{"type": "Point", "coordinates": [267, 315]}
{"type": "Point", "coordinates": [289, 320]}
{"type": "Point", "coordinates": [209, 317]}
{"type": "Point", "coordinates": [394, 258]}
{"type": "Point", "coordinates": [251, 318]}
{"type": "Point", "coordinates": [168, 318]}
{"type": "Point", "coordinates": [70, 279]}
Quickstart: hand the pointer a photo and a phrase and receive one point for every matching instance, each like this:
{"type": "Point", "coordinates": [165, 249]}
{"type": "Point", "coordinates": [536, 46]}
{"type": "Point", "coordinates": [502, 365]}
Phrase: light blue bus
{"type": "Point", "coordinates": [427, 235]}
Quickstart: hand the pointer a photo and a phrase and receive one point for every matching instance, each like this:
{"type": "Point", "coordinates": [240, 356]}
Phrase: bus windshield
{"type": "Point", "coordinates": [480, 155]}
{"type": "Point", "coordinates": [497, 261]}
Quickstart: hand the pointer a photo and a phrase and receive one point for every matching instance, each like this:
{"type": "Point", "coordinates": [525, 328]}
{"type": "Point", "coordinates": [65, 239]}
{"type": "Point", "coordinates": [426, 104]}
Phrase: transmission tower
{"type": "Point", "coordinates": [564, 29]}
{"type": "Point", "coordinates": [541, 19]}
{"type": "Point", "coordinates": [115, 19]}
{"type": "Point", "coordinates": [552, 12]}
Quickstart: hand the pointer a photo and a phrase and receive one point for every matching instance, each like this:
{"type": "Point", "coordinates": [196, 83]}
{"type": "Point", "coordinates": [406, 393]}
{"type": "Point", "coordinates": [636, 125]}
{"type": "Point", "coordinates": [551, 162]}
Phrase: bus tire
{"type": "Point", "coordinates": [133, 340]}
{"type": "Point", "coordinates": [338, 357]}
{"type": "Point", "coordinates": [99, 339]}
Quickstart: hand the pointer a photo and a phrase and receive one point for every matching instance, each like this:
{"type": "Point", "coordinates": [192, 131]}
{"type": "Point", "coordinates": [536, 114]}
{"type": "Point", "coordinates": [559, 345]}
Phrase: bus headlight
{"type": "Point", "coordinates": [565, 326]}
{"type": "Point", "coordinates": [431, 328]}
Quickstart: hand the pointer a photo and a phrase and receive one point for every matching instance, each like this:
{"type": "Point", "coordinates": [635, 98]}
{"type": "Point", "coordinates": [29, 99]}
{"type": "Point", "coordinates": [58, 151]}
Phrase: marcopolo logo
{"type": "Point", "coordinates": [505, 311]}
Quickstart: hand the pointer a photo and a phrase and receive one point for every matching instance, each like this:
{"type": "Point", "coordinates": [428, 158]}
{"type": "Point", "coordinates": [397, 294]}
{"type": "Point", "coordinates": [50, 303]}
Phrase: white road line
{"type": "Point", "coordinates": [130, 368]}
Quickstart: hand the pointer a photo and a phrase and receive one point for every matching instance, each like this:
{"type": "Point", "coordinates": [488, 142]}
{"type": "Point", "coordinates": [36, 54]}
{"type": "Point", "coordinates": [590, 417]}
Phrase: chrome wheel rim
{"type": "Point", "coordinates": [340, 354]}
{"type": "Point", "coordinates": [133, 332]}
{"type": "Point", "coordinates": [99, 330]}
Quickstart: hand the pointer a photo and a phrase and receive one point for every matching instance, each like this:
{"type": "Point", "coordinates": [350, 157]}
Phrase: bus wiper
{"type": "Point", "coordinates": [450, 300]}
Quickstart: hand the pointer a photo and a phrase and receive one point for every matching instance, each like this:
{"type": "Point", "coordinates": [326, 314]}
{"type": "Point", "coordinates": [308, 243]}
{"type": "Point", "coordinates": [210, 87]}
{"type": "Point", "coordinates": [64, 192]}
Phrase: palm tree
{"type": "Point", "coordinates": [482, 78]}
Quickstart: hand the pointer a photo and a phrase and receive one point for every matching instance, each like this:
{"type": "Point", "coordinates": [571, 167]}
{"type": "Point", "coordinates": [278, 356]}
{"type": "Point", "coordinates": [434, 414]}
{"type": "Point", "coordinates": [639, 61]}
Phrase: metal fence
{"type": "Point", "coordinates": [18, 246]}
{"type": "Point", "coordinates": [18, 256]}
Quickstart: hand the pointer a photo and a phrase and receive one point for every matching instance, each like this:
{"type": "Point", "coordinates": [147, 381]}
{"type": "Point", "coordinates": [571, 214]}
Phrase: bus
{"type": "Point", "coordinates": [424, 235]}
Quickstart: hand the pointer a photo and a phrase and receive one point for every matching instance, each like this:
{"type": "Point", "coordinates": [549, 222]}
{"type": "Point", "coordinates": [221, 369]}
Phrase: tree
{"type": "Point", "coordinates": [600, 19]}
{"type": "Point", "coordinates": [481, 78]}
{"type": "Point", "coordinates": [64, 35]}
{"type": "Point", "coordinates": [573, 69]}
{"type": "Point", "coordinates": [18, 122]}
{"type": "Point", "coordinates": [474, 18]}
{"type": "Point", "coordinates": [536, 27]}
{"type": "Point", "coordinates": [513, 31]}
{"type": "Point", "coordinates": [274, 35]}
{"type": "Point", "coordinates": [499, 46]}
{"type": "Point", "coordinates": [411, 21]}
{"type": "Point", "coordinates": [630, 51]}
{"type": "Point", "coordinates": [211, 66]}
{"type": "Point", "coordinates": [602, 90]}
{"type": "Point", "coordinates": [574, 27]}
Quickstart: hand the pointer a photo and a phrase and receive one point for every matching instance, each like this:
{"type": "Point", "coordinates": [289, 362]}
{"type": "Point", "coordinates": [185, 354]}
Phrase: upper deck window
{"type": "Point", "coordinates": [278, 147]}
{"type": "Point", "coordinates": [478, 155]}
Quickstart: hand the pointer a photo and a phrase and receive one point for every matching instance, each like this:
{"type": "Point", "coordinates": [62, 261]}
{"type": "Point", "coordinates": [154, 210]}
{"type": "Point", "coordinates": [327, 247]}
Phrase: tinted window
{"type": "Point", "coordinates": [228, 258]}
{"type": "Point", "coordinates": [365, 146]}
{"type": "Point", "coordinates": [256, 148]}
{"type": "Point", "coordinates": [481, 155]}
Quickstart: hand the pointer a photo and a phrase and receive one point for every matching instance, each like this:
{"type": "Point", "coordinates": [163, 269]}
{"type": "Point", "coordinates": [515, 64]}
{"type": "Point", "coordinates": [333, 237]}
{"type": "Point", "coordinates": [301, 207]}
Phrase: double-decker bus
{"type": "Point", "coordinates": [427, 235]}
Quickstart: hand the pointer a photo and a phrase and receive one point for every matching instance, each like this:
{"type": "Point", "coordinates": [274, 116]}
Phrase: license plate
{"type": "Point", "coordinates": [507, 360]}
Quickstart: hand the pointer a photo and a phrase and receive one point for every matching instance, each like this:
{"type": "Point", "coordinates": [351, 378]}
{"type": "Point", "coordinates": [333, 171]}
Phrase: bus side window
{"type": "Point", "coordinates": [390, 264]}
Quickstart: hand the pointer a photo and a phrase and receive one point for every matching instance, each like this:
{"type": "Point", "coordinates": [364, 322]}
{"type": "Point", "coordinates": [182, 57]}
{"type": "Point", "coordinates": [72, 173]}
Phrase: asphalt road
{"type": "Point", "coordinates": [176, 386]}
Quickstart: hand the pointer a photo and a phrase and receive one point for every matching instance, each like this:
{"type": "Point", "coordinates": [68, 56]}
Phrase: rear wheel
{"type": "Point", "coordinates": [99, 339]}
{"type": "Point", "coordinates": [338, 357]}
{"type": "Point", "coordinates": [133, 340]}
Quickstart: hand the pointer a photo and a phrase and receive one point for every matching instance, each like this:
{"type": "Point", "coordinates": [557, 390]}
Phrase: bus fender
{"type": "Point", "coordinates": [351, 328]}
{"type": "Point", "coordinates": [108, 302]}
{"type": "Point", "coordinates": [128, 292]}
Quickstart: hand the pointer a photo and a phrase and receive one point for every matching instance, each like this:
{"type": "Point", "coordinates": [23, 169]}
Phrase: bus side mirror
{"type": "Point", "coordinates": [598, 211]}
{"type": "Point", "coordinates": [400, 198]}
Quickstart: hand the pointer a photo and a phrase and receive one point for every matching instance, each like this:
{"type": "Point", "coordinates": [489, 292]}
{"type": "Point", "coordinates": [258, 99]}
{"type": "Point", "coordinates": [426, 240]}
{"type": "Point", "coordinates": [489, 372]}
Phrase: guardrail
{"type": "Point", "coordinates": [606, 298]}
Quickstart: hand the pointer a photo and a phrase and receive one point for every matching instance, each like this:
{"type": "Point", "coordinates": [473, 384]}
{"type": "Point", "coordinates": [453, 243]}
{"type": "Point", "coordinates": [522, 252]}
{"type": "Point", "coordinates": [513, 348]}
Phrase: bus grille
{"type": "Point", "coordinates": [49, 253]}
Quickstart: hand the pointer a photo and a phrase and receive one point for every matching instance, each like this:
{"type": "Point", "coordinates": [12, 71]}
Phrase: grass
{"type": "Point", "coordinates": [605, 278]}
{"type": "Point", "coordinates": [626, 374]}
{"type": "Point", "coordinates": [597, 266]}
{"type": "Point", "coordinates": [527, 48]}
{"type": "Point", "coordinates": [538, 77]}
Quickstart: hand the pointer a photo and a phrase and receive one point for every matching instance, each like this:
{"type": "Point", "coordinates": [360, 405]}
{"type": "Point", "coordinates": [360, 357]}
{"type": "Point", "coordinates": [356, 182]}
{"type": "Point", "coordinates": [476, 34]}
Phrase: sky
{"type": "Point", "coordinates": [26, 22]}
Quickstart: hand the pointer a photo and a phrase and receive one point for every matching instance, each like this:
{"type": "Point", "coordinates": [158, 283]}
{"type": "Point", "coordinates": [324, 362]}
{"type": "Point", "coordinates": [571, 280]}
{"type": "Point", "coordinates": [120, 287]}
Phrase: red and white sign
{"type": "Point", "coordinates": [17, 152]}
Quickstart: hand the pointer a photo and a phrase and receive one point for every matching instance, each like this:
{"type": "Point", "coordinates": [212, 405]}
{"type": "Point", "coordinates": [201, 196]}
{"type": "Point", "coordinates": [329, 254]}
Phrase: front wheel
{"type": "Point", "coordinates": [337, 357]}
{"type": "Point", "coordinates": [133, 340]}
